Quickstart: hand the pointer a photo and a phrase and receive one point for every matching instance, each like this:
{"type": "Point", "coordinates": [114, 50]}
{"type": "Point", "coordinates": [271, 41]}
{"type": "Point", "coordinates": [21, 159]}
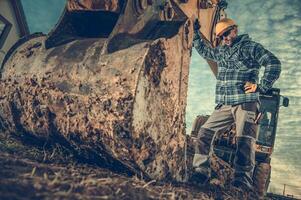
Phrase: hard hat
{"type": "Point", "coordinates": [223, 25]}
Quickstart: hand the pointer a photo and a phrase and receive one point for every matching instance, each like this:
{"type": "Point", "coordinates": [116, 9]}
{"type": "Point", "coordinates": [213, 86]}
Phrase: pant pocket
{"type": "Point", "coordinates": [252, 110]}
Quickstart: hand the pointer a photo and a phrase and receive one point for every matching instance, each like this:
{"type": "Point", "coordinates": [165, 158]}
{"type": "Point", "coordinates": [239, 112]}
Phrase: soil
{"type": "Point", "coordinates": [31, 171]}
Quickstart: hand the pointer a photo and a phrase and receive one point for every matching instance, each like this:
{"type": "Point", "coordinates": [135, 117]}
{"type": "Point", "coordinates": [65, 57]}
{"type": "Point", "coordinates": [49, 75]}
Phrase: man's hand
{"type": "Point", "coordinates": [250, 87]}
{"type": "Point", "coordinates": [196, 25]}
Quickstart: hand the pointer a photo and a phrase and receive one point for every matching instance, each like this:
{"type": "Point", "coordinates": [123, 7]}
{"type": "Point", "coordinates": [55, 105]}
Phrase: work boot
{"type": "Point", "coordinates": [201, 174]}
{"type": "Point", "coordinates": [201, 166]}
{"type": "Point", "coordinates": [238, 193]}
{"type": "Point", "coordinates": [243, 183]}
{"type": "Point", "coordinates": [244, 163]}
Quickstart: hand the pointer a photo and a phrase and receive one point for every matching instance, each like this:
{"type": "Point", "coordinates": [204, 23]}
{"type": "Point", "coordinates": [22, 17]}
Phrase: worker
{"type": "Point", "coordinates": [237, 97]}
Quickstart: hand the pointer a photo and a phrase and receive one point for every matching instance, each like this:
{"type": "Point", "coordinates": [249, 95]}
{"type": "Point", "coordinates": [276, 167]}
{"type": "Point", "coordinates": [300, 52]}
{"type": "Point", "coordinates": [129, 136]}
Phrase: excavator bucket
{"type": "Point", "coordinates": [109, 82]}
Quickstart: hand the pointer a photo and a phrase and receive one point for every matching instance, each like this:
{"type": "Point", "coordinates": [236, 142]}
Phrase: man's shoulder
{"type": "Point", "coordinates": [249, 42]}
{"type": "Point", "coordinates": [249, 45]}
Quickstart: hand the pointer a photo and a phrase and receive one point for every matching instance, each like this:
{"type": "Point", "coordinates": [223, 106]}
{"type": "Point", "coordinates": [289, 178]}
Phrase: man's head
{"type": "Point", "coordinates": [226, 30]}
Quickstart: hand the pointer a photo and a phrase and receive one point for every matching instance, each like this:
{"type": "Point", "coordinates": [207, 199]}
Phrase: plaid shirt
{"type": "Point", "coordinates": [238, 64]}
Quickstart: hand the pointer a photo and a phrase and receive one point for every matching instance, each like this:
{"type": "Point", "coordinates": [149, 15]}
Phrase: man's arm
{"type": "Point", "coordinates": [204, 50]}
{"type": "Point", "coordinates": [272, 67]}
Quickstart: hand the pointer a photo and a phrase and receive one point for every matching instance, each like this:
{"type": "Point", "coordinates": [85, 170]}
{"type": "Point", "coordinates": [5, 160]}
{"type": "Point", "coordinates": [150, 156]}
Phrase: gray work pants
{"type": "Point", "coordinates": [244, 116]}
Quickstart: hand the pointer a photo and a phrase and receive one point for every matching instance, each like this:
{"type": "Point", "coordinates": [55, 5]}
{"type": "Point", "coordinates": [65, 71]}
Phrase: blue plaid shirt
{"type": "Point", "coordinates": [238, 64]}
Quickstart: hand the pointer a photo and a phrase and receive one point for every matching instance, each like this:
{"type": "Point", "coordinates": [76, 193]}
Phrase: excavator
{"type": "Point", "coordinates": [109, 82]}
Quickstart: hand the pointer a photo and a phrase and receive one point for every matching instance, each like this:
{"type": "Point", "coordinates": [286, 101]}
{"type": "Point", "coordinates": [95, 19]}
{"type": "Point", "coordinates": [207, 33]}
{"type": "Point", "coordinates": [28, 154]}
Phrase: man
{"type": "Point", "coordinates": [237, 94]}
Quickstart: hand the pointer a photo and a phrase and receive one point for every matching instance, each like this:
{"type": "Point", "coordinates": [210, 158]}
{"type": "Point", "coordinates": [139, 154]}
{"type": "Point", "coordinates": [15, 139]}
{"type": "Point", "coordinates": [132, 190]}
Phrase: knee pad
{"type": "Point", "coordinates": [204, 140]}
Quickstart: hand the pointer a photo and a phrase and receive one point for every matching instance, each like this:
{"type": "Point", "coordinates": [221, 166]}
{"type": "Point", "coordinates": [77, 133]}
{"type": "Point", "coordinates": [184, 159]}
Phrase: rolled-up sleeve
{"type": "Point", "coordinates": [272, 66]}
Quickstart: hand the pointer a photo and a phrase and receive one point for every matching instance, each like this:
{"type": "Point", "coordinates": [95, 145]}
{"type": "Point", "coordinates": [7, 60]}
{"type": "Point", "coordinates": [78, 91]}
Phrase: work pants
{"type": "Point", "coordinates": [244, 116]}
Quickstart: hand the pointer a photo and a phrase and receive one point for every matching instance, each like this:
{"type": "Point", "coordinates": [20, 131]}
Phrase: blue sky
{"type": "Point", "coordinates": [42, 15]}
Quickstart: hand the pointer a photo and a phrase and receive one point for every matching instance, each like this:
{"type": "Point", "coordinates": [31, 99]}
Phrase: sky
{"type": "Point", "coordinates": [42, 15]}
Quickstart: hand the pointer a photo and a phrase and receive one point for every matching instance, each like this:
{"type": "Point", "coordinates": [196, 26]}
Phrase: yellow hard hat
{"type": "Point", "coordinates": [223, 25]}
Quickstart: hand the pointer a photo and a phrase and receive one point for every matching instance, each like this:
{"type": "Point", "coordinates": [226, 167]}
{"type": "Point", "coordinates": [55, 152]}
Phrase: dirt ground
{"type": "Point", "coordinates": [49, 172]}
